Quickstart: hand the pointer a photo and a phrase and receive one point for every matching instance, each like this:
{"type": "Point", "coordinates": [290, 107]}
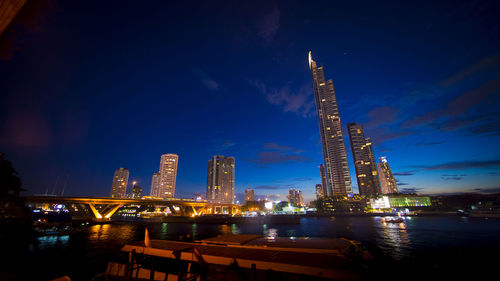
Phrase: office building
{"type": "Point", "coordinates": [364, 161]}
{"type": "Point", "coordinates": [249, 195]}
{"type": "Point", "coordinates": [332, 139]}
{"type": "Point", "coordinates": [155, 184]}
{"type": "Point", "coordinates": [220, 179]}
{"type": "Point", "coordinates": [168, 175]}
{"type": "Point", "coordinates": [319, 191]}
{"type": "Point", "coordinates": [387, 180]}
{"type": "Point", "coordinates": [295, 197]}
{"type": "Point", "coordinates": [119, 185]}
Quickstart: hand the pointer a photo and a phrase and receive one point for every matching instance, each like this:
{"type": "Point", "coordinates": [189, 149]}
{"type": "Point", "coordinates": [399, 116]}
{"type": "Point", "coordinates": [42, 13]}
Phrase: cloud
{"type": "Point", "coordinates": [274, 157]}
{"type": "Point", "coordinates": [381, 125]}
{"type": "Point", "coordinates": [267, 187]}
{"type": "Point", "coordinates": [268, 26]}
{"type": "Point", "coordinates": [381, 116]}
{"type": "Point", "coordinates": [399, 183]}
{"type": "Point", "coordinates": [406, 173]}
{"type": "Point", "coordinates": [422, 143]}
{"type": "Point", "coordinates": [463, 165]}
{"type": "Point", "coordinates": [227, 144]}
{"type": "Point", "coordinates": [275, 146]}
{"type": "Point", "coordinates": [489, 190]}
{"type": "Point", "coordinates": [408, 190]}
{"type": "Point", "coordinates": [303, 179]}
{"type": "Point", "coordinates": [486, 129]}
{"type": "Point", "coordinates": [206, 80]}
{"type": "Point", "coordinates": [300, 102]}
{"type": "Point", "coordinates": [459, 106]}
{"type": "Point", "coordinates": [26, 129]}
{"type": "Point", "coordinates": [491, 62]}
{"type": "Point", "coordinates": [382, 149]}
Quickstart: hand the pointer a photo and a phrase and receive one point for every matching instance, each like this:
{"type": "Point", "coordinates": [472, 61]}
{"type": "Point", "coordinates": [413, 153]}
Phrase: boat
{"type": "Point", "coordinates": [394, 220]}
{"type": "Point", "coordinates": [240, 257]}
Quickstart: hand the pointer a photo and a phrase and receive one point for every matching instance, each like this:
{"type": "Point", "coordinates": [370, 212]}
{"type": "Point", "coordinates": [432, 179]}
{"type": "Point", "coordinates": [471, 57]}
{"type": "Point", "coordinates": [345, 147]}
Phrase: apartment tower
{"type": "Point", "coordinates": [220, 179]}
{"type": "Point", "coordinates": [387, 180]}
{"type": "Point", "coordinates": [119, 185]}
{"type": "Point", "coordinates": [168, 175]}
{"type": "Point", "coordinates": [364, 161]}
{"type": "Point", "coordinates": [332, 140]}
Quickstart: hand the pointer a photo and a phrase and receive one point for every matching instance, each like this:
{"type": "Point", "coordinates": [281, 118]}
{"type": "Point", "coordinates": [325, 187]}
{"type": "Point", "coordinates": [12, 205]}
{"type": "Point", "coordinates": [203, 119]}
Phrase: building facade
{"type": "Point", "coordinates": [364, 161]}
{"type": "Point", "coordinates": [295, 197]}
{"type": "Point", "coordinates": [136, 191]}
{"type": "Point", "coordinates": [332, 139]}
{"type": "Point", "coordinates": [168, 175]}
{"type": "Point", "coordinates": [119, 185]}
{"type": "Point", "coordinates": [220, 179]}
{"type": "Point", "coordinates": [249, 195]}
{"type": "Point", "coordinates": [324, 186]}
{"type": "Point", "coordinates": [387, 180]}
{"type": "Point", "coordinates": [155, 184]}
{"type": "Point", "coordinates": [319, 191]}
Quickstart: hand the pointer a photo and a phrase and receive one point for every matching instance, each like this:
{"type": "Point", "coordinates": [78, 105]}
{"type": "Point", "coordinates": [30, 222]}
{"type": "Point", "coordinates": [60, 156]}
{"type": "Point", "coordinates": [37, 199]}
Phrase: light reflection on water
{"type": "Point", "coordinates": [394, 238]}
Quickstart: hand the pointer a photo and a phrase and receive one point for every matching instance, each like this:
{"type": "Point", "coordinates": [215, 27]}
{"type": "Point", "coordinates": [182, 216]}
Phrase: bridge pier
{"type": "Point", "coordinates": [108, 210]}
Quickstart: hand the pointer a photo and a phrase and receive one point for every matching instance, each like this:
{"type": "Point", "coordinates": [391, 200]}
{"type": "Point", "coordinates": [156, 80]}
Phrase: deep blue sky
{"type": "Point", "coordinates": [90, 86]}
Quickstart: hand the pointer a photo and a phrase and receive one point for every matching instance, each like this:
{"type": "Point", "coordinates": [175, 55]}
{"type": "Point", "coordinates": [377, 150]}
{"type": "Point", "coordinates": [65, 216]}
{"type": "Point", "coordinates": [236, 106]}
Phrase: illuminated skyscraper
{"type": "Point", "coordinates": [387, 180]}
{"type": "Point", "coordinates": [168, 175]}
{"type": "Point", "coordinates": [119, 185]}
{"type": "Point", "coordinates": [319, 191]}
{"type": "Point", "coordinates": [249, 195]}
{"type": "Point", "coordinates": [364, 161]}
{"type": "Point", "coordinates": [220, 179]}
{"type": "Point", "coordinates": [332, 139]}
{"type": "Point", "coordinates": [155, 184]}
{"type": "Point", "coordinates": [136, 191]}
{"type": "Point", "coordinates": [295, 197]}
{"type": "Point", "coordinates": [324, 186]}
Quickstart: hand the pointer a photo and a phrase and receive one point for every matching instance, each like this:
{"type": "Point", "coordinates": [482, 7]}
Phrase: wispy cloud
{"type": "Point", "coordinates": [405, 173]}
{"type": "Point", "coordinates": [463, 165]}
{"type": "Point", "coordinates": [453, 177]}
{"type": "Point", "coordinates": [409, 190]}
{"type": "Point", "coordinates": [300, 102]}
{"type": "Point", "coordinates": [267, 187]}
{"type": "Point", "coordinates": [491, 62]}
{"type": "Point", "coordinates": [274, 157]}
{"type": "Point", "coordinates": [275, 146]}
{"type": "Point", "coordinates": [268, 26]}
{"type": "Point", "coordinates": [206, 80]}
{"type": "Point", "coordinates": [431, 143]}
{"type": "Point", "coordinates": [302, 179]}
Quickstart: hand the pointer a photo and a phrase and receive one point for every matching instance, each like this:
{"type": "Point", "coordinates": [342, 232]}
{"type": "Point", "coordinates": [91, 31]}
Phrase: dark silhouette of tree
{"type": "Point", "coordinates": [11, 204]}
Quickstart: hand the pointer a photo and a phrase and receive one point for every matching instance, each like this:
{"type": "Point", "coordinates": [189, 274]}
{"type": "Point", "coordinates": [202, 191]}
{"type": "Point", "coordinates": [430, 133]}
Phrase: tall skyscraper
{"type": "Point", "coordinates": [324, 186]}
{"type": "Point", "coordinates": [249, 195]}
{"type": "Point", "coordinates": [332, 139]}
{"type": "Point", "coordinates": [168, 175]}
{"type": "Point", "coordinates": [155, 184]}
{"type": "Point", "coordinates": [387, 180]}
{"type": "Point", "coordinates": [136, 191]}
{"type": "Point", "coordinates": [119, 185]}
{"type": "Point", "coordinates": [319, 191]}
{"type": "Point", "coordinates": [295, 197]}
{"type": "Point", "coordinates": [220, 179]}
{"type": "Point", "coordinates": [364, 161]}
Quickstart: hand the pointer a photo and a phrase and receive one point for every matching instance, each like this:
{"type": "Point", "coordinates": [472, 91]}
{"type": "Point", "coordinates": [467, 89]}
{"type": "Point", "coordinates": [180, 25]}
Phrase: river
{"type": "Point", "coordinates": [421, 246]}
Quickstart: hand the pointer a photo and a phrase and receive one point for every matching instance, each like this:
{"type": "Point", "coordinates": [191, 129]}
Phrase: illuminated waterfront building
{"type": "Point", "coordinates": [119, 185]}
{"type": "Point", "coordinates": [387, 180]}
{"type": "Point", "coordinates": [319, 191]}
{"type": "Point", "coordinates": [295, 197]}
{"type": "Point", "coordinates": [364, 161]}
{"type": "Point", "coordinates": [155, 184]}
{"type": "Point", "coordinates": [324, 186]}
{"type": "Point", "coordinates": [400, 201]}
{"type": "Point", "coordinates": [168, 175]}
{"type": "Point", "coordinates": [332, 139]}
{"type": "Point", "coordinates": [220, 179]}
{"type": "Point", "coordinates": [136, 191]}
{"type": "Point", "coordinates": [249, 195]}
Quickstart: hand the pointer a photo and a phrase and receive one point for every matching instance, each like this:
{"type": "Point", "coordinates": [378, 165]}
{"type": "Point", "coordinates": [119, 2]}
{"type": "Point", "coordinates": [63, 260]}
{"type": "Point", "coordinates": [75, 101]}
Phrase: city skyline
{"type": "Point", "coordinates": [431, 109]}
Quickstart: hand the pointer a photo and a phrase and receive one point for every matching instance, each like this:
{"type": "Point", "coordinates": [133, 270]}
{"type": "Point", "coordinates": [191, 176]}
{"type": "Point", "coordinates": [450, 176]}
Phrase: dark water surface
{"type": "Point", "coordinates": [421, 247]}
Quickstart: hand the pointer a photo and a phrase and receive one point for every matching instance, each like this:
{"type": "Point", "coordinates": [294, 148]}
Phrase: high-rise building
{"type": "Point", "coordinates": [136, 191]}
{"type": "Point", "coordinates": [387, 180]}
{"type": "Point", "coordinates": [220, 179]}
{"type": "Point", "coordinates": [119, 185]}
{"type": "Point", "coordinates": [364, 161]}
{"type": "Point", "coordinates": [168, 175]}
{"type": "Point", "coordinates": [319, 191]}
{"type": "Point", "coordinates": [332, 140]}
{"type": "Point", "coordinates": [324, 186]}
{"type": "Point", "coordinates": [295, 197]}
{"type": "Point", "coordinates": [155, 184]}
{"type": "Point", "coordinates": [249, 195]}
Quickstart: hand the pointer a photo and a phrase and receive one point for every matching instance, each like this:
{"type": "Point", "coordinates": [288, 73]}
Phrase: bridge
{"type": "Point", "coordinates": [103, 208]}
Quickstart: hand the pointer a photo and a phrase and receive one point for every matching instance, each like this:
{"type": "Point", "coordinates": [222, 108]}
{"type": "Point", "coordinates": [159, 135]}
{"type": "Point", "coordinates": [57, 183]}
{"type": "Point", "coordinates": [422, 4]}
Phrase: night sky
{"type": "Point", "coordinates": [90, 86]}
